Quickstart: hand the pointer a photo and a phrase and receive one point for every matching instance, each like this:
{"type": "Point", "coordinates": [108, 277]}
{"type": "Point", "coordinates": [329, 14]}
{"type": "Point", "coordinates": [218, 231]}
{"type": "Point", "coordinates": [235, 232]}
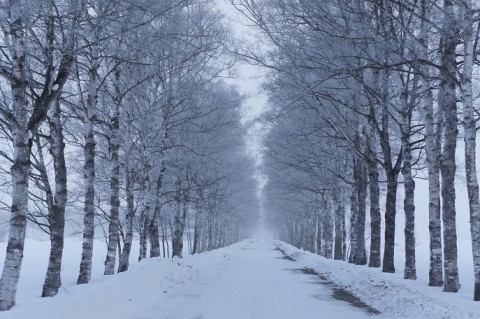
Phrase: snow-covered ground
{"type": "Point", "coordinates": [247, 280]}
{"type": "Point", "coordinates": [389, 293]}
{"type": "Point", "coordinates": [118, 296]}
{"type": "Point", "coordinates": [250, 279]}
{"type": "Point", "coordinates": [35, 264]}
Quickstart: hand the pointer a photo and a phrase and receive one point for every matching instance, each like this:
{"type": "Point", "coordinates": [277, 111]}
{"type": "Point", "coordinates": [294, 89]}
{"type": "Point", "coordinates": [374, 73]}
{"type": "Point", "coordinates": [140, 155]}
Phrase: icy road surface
{"type": "Point", "coordinates": [258, 282]}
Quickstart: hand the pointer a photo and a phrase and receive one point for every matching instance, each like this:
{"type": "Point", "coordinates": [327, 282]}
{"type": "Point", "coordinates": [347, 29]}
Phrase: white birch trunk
{"type": "Point", "coordinates": [21, 162]}
{"type": "Point", "coordinates": [315, 234]}
{"type": "Point", "coordinates": [123, 262]}
{"type": "Point", "coordinates": [154, 233]}
{"type": "Point", "coordinates": [329, 228]}
{"type": "Point", "coordinates": [89, 170]}
{"type": "Point", "coordinates": [57, 209]}
{"type": "Point", "coordinates": [113, 227]}
{"type": "Point", "coordinates": [197, 231]}
{"type": "Point", "coordinates": [392, 170]}
{"type": "Point", "coordinates": [353, 220]}
{"type": "Point", "coordinates": [124, 258]}
{"type": "Point", "coordinates": [374, 187]}
{"type": "Point", "coordinates": [360, 180]}
{"type": "Point", "coordinates": [470, 142]}
{"type": "Point", "coordinates": [148, 201]}
{"type": "Point", "coordinates": [129, 173]}
{"type": "Point", "coordinates": [432, 158]}
{"type": "Point", "coordinates": [211, 213]}
{"type": "Point", "coordinates": [448, 103]}
{"type": "Point", "coordinates": [179, 223]}
{"type": "Point", "coordinates": [339, 215]}
{"type": "Point", "coordinates": [410, 271]}
{"type": "Point", "coordinates": [320, 237]}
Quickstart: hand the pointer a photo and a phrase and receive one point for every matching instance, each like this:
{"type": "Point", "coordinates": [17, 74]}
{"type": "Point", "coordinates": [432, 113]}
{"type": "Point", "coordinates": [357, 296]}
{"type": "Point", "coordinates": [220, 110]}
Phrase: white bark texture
{"type": "Point", "coordinates": [329, 228]}
{"type": "Point", "coordinates": [21, 162]}
{"type": "Point", "coordinates": [57, 205]}
{"type": "Point", "coordinates": [123, 262]}
{"type": "Point", "coordinates": [374, 192]}
{"type": "Point", "coordinates": [392, 170]}
{"type": "Point", "coordinates": [470, 142]}
{"type": "Point", "coordinates": [89, 171]}
{"type": "Point", "coordinates": [410, 271]}
{"type": "Point", "coordinates": [129, 173]}
{"type": "Point", "coordinates": [181, 207]}
{"type": "Point", "coordinates": [432, 149]}
{"type": "Point", "coordinates": [361, 181]}
{"type": "Point", "coordinates": [339, 221]}
{"type": "Point", "coordinates": [113, 227]}
{"type": "Point", "coordinates": [448, 103]}
{"type": "Point", "coordinates": [198, 229]}
{"type": "Point", "coordinates": [353, 221]}
{"type": "Point", "coordinates": [154, 233]}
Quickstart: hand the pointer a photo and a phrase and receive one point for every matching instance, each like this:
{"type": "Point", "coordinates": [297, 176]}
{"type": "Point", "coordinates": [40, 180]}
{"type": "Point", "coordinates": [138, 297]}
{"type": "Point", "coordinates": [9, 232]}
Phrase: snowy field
{"type": "Point", "coordinates": [247, 280]}
{"type": "Point", "coordinates": [84, 300]}
{"type": "Point", "coordinates": [35, 263]}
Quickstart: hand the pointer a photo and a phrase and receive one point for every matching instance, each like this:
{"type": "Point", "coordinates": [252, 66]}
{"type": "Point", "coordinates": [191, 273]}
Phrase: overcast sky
{"type": "Point", "coordinates": [248, 80]}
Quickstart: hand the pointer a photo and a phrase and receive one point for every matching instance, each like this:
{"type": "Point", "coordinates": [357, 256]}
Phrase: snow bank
{"type": "Point", "coordinates": [388, 293]}
{"type": "Point", "coordinates": [123, 295]}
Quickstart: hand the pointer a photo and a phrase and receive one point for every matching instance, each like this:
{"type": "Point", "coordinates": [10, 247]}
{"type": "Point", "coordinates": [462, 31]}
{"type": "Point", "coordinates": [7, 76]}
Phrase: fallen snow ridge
{"type": "Point", "coordinates": [393, 299]}
{"type": "Point", "coordinates": [124, 295]}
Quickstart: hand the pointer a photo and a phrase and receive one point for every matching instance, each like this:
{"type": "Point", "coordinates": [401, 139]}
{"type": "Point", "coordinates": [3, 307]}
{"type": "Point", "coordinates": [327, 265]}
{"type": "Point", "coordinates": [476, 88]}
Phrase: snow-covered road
{"type": "Point", "coordinates": [250, 279]}
{"type": "Point", "coordinates": [256, 282]}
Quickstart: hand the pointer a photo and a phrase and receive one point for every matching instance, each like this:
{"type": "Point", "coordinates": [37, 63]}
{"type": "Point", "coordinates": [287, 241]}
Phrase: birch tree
{"type": "Point", "coordinates": [470, 134]}
{"type": "Point", "coordinates": [92, 35]}
{"type": "Point", "coordinates": [25, 117]}
{"type": "Point", "coordinates": [447, 101]}
{"type": "Point", "coordinates": [433, 135]}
